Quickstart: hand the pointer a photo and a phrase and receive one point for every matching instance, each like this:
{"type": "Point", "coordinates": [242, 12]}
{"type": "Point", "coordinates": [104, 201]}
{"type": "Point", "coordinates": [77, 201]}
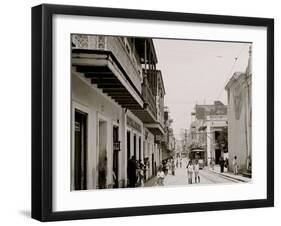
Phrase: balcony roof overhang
{"type": "Point", "coordinates": [104, 70]}
{"type": "Point", "coordinates": [155, 128]}
{"type": "Point", "coordinates": [144, 114]}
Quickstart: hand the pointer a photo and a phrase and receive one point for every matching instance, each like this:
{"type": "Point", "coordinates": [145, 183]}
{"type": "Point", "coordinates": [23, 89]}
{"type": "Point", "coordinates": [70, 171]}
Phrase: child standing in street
{"type": "Point", "coordinates": [235, 165]}
{"type": "Point", "coordinates": [196, 172]}
{"type": "Point", "coordinates": [189, 171]}
{"type": "Point", "coordinates": [160, 177]}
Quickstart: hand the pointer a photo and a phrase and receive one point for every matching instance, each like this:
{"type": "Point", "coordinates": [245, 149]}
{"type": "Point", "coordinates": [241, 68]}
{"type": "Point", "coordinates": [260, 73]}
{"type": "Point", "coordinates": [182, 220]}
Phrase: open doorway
{"type": "Point", "coordinates": [116, 149]}
{"type": "Point", "coordinates": [135, 145]}
{"type": "Point", "coordinates": [128, 145]}
{"type": "Point", "coordinates": [153, 165]}
{"type": "Point", "coordinates": [102, 160]}
{"type": "Point", "coordinates": [140, 156]}
{"type": "Point", "coordinates": [80, 151]}
{"type": "Point", "coordinates": [218, 156]}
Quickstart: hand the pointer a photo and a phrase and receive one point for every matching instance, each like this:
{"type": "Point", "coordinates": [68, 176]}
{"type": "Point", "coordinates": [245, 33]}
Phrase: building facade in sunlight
{"type": "Point", "coordinates": [239, 89]}
{"type": "Point", "coordinates": [117, 110]}
{"type": "Point", "coordinates": [209, 132]}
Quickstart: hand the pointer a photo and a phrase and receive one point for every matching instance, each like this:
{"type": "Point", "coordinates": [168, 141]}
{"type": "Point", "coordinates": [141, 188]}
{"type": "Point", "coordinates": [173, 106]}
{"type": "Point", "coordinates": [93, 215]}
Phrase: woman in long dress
{"type": "Point", "coordinates": [196, 172]}
{"type": "Point", "coordinates": [189, 171]}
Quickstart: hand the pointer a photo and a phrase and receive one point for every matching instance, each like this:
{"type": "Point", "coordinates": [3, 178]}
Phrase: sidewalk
{"type": "Point", "coordinates": [150, 182]}
{"type": "Point", "coordinates": [229, 175]}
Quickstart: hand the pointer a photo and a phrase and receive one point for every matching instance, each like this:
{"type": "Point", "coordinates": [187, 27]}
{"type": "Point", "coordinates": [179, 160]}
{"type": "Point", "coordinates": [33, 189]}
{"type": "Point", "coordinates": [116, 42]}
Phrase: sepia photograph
{"type": "Point", "coordinates": [155, 112]}
{"type": "Point", "coordinates": [141, 112]}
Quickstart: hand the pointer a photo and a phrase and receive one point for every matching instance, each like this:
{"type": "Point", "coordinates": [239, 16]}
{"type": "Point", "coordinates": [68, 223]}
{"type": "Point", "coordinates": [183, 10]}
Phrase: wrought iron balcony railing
{"type": "Point", "coordinates": [127, 59]}
{"type": "Point", "coordinates": [149, 99]}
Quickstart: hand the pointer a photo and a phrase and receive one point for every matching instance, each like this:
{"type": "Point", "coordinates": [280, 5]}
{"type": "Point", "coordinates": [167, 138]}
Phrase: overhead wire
{"type": "Point", "coordinates": [231, 69]}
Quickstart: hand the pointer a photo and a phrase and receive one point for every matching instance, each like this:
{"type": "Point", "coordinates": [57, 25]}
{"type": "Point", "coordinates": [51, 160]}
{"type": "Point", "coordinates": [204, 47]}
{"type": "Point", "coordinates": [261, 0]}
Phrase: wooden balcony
{"type": "Point", "coordinates": [149, 100]}
{"type": "Point", "coordinates": [125, 54]}
{"type": "Point", "coordinates": [128, 59]}
{"type": "Point", "coordinates": [105, 63]}
{"type": "Point", "coordinates": [149, 112]}
{"type": "Point", "coordinates": [150, 115]}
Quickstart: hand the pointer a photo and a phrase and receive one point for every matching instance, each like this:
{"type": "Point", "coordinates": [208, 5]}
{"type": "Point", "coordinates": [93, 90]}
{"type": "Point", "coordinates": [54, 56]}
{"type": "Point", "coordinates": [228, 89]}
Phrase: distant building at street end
{"type": "Point", "coordinates": [208, 132]}
{"type": "Point", "coordinates": [239, 91]}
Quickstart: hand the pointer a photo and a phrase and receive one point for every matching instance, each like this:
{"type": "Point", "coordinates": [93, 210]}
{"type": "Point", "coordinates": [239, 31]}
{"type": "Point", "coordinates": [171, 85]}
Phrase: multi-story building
{"type": "Point", "coordinates": [117, 109]}
{"type": "Point", "coordinates": [209, 131]}
{"type": "Point", "coordinates": [239, 90]}
{"type": "Point", "coordinates": [168, 141]}
{"type": "Point", "coordinates": [154, 131]}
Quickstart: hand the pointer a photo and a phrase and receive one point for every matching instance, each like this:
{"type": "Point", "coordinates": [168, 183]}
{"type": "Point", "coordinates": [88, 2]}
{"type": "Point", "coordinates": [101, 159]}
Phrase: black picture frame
{"type": "Point", "coordinates": [42, 111]}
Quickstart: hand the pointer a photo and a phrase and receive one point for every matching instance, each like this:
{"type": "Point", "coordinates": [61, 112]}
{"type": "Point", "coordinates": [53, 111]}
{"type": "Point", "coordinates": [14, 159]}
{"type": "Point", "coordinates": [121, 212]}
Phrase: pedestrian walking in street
{"type": "Point", "coordinates": [144, 170]}
{"type": "Point", "coordinates": [212, 164]}
{"type": "Point", "coordinates": [131, 171]}
{"type": "Point", "coordinates": [138, 169]}
{"type": "Point", "coordinates": [235, 165]}
{"type": "Point", "coordinates": [165, 167]}
{"type": "Point", "coordinates": [160, 176]}
{"type": "Point", "coordinates": [226, 164]}
{"type": "Point", "coordinates": [169, 166]}
{"type": "Point", "coordinates": [173, 166]}
{"type": "Point", "coordinates": [180, 162]}
{"type": "Point", "coordinates": [196, 172]}
{"type": "Point", "coordinates": [177, 163]}
{"type": "Point", "coordinates": [189, 171]}
{"type": "Point", "coordinates": [140, 174]}
{"type": "Point", "coordinates": [221, 162]}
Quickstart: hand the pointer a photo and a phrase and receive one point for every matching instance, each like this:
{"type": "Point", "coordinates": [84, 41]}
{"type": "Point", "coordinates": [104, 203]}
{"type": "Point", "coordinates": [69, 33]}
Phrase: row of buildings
{"type": "Point", "coordinates": [117, 110]}
{"type": "Point", "coordinates": [220, 130]}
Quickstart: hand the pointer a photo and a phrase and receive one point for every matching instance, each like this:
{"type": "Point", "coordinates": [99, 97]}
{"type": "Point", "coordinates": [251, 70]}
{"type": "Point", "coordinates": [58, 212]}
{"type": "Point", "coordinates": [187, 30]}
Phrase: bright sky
{"type": "Point", "coordinates": [196, 72]}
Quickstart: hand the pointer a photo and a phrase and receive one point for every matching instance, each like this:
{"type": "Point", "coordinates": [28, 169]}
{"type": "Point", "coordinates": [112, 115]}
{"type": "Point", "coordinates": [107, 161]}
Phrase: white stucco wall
{"type": "Point", "coordinates": [149, 150]}
{"type": "Point", "coordinates": [100, 107]}
{"type": "Point", "coordinates": [236, 132]}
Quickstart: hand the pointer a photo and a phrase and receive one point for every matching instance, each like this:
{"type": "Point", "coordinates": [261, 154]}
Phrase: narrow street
{"type": "Point", "coordinates": [206, 177]}
{"type": "Point", "coordinates": [180, 178]}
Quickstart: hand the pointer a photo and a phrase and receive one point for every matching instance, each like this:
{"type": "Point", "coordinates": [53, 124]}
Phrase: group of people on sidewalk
{"type": "Point", "coordinates": [170, 165]}
{"type": "Point", "coordinates": [224, 163]}
{"type": "Point", "coordinates": [135, 172]}
{"type": "Point", "coordinates": [167, 166]}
